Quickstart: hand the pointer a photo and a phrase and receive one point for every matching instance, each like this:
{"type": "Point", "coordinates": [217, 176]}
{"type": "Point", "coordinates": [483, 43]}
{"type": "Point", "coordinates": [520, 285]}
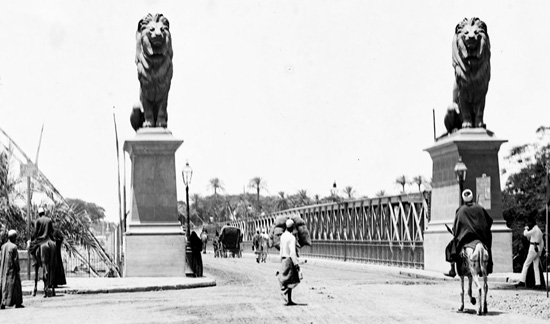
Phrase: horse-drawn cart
{"type": "Point", "coordinates": [230, 241]}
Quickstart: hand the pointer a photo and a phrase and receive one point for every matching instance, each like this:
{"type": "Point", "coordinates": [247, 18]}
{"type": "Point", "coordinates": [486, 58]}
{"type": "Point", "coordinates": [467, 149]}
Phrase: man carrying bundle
{"type": "Point", "coordinates": [289, 275]}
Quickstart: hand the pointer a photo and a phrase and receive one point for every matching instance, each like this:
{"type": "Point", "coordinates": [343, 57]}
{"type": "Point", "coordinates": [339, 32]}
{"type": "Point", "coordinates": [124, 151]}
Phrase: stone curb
{"type": "Point", "coordinates": [82, 286]}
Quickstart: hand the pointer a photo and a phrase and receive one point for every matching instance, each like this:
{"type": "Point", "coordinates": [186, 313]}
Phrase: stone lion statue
{"type": "Point", "coordinates": [471, 56]}
{"type": "Point", "coordinates": [154, 66]}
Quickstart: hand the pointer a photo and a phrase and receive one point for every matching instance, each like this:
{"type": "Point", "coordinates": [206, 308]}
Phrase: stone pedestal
{"type": "Point", "coordinates": [479, 151]}
{"type": "Point", "coordinates": [154, 242]}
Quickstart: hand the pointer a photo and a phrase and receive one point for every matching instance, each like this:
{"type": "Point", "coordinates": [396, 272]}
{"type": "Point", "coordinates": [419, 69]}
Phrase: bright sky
{"type": "Point", "coordinates": [299, 92]}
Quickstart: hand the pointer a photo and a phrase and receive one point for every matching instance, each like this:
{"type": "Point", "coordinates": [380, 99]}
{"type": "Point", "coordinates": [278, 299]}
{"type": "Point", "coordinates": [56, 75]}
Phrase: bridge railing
{"type": "Point", "coordinates": [385, 230]}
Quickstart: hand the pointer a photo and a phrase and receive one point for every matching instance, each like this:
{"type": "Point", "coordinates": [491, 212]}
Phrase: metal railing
{"type": "Point", "coordinates": [385, 230]}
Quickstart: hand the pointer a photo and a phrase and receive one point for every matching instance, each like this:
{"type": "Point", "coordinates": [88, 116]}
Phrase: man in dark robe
{"type": "Point", "coordinates": [196, 257]}
{"type": "Point", "coordinates": [43, 231]}
{"type": "Point", "coordinates": [10, 282]}
{"type": "Point", "coordinates": [59, 270]}
{"type": "Point", "coordinates": [472, 222]}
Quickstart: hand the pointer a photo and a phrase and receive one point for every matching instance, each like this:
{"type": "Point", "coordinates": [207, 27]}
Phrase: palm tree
{"type": "Point", "coordinates": [215, 184]}
{"type": "Point", "coordinates": [380, 193]}
{"type": "Point", "coordinates": [349, 191]}
{"type": "Point", "coordinates": [303, 199]}
{"type": "Point", "coordinates": [282, 201]}
{"type": "Point", "coordinates": [257, 183]}
{"type": "Point", "coordinates": [402, 181]}
{"type": "Point", "coordinates": [419, 180]}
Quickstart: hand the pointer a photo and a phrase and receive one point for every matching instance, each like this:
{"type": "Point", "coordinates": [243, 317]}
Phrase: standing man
{"type": "Point", "coordinates": [12, 294]}
{"type": "Point", "coordinates": [60, 279]}
{"type": "Point", "coordinates": [256, 245]}
{"type": "Point", "coordinates": [264, 243]}
{"type": "Point", "coordinates": [288, 276]}
{"type": "Point", "coordinates": [536, 244]}
{"type": "Point", "coordinates": [472, 222]}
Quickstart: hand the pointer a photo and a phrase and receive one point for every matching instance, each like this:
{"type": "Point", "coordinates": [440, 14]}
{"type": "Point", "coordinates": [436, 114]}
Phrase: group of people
{"type": "Point", "coordinates": [260, 244]}
{"type": "Point", "coordinates": [10, 280]}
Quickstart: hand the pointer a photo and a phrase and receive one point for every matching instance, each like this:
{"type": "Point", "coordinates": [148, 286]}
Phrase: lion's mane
{"type": "Point", "coordinates": [154, 66]}
{"type": "Point", "coordinates": [471, 62]}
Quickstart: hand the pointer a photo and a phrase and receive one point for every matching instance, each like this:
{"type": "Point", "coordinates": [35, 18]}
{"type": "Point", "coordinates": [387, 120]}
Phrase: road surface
{"type": "Point", "coordinates": [248, 292]}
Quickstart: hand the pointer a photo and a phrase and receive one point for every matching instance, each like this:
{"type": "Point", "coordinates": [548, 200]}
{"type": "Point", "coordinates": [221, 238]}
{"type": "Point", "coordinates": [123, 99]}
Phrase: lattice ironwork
{"type": "Point", "coordinates": [385, 230]}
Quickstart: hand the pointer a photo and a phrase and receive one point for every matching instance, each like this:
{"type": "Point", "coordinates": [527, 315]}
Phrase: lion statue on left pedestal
{"type": "Point", "coordinates": [154, 66]}
{"type": "Point", "coordinates": [471, 62]}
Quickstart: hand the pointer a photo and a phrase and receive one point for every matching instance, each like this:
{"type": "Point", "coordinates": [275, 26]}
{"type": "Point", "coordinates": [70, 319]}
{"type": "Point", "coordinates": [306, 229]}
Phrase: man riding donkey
{"type": "Point", "coordinates": [472, 225]}
{"type": "Point", "coordinates": [43, 234]}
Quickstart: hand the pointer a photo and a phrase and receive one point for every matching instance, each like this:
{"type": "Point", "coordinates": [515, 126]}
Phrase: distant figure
{"type": "Point", "coordinates": [59, 270]}
{"type": "Point", "coordinates": [204, 239]}
{"type": "Point", "coordinates": [257, 246]}
{"type": "Point", "coordinates": [196, 258]}
{"type": "Point", "coordinates": [536, 244]}
{"type": "Point", "coordinates": [289, 276]}
{"type": "Point", "coordinates": [10, 282]}
{"type": "Point", "coordinates": [217, 245]}
{"type": "Point", "coordinates": [265, 244]}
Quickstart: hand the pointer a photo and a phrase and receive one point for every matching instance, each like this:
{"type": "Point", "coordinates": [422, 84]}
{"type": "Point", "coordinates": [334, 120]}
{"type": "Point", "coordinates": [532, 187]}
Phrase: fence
{"type": "Point", "coordinates": [386, 230]}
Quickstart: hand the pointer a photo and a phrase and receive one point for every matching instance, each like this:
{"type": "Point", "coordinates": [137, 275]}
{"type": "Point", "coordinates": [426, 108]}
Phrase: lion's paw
{"type": "Point", "coordinates": [147, 123]}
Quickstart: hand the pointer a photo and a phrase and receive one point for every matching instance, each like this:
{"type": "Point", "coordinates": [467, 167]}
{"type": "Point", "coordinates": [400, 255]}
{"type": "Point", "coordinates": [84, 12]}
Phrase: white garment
{"type": "Point", "coordinates": [535, 236]}
{"type": "Point", "coordinates": [288, 246]}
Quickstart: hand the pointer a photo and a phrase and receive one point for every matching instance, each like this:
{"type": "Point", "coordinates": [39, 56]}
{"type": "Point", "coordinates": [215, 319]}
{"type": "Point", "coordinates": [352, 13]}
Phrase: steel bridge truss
{"type": "Point", "coordinates": [385, 230]}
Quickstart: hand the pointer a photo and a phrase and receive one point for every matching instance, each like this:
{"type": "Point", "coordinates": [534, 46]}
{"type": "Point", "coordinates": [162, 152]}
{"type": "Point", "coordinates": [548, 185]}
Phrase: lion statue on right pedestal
{"type": "Point", "coordinates": [471, 56]}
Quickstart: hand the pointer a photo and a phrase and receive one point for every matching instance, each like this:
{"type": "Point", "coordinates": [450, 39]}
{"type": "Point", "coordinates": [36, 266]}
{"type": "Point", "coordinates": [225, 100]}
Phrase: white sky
{"type": "Point", "coordinates": [300, 93]}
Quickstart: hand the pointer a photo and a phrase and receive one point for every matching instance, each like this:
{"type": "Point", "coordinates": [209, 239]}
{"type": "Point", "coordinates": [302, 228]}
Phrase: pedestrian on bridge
{"type": "Point", "coordinates": [264, 242]}
{"type": "Point", "coordinates": [257, 245]}
{"type": "Point", "coordinates": [289, 276]}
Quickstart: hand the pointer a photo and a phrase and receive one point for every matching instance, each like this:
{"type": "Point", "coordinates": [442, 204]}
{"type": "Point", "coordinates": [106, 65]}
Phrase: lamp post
{"type": "Point", "coordinates": [187, 173]}
{"type": "Point", "coordinates": [460, 171]}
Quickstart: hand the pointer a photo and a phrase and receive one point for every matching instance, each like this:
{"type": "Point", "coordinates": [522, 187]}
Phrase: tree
{"type": "Point", "coordinates": [419, 180]}
{"type": "Point", "coordinates": [282, 202]}
{"type": "Point", "coordinates": [302, 199]}
{"type": "Point", "coordinates": [317, 199]}
{"type": "Point", "coordinates": [524, 195]}
{"type": "Point", "coordinates": [91, 211]}
{"type": "Point", "coordinates": [215, 184]}
{"type": "Point", "coordinates": [402, 181]}
{"type": "Point", "coordinates": [380, 193]}
{"type": "Point", "coordinates": [349, 191]}
{"type": "Point", "coordinates": [257, 183]}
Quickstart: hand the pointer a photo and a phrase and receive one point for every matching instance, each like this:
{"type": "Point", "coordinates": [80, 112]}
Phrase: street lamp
{"type": "Point", "coordinates": [460, 172]}
{"type": "Point", "coordinates": [334, 191]}
{"type": "Point", "coordinates": [187, 173]}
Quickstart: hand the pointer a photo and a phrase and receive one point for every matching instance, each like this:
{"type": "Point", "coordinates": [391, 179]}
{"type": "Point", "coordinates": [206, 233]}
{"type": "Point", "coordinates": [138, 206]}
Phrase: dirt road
{"type": "Point", "coordinates": [247, 292]}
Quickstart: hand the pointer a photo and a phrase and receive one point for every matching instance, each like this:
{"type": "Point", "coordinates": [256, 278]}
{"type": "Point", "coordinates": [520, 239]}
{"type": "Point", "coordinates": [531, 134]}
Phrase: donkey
{"type": "Point", "coordinates": [473, 264]}
{"type": "Point", "coordinates": [45, 257]}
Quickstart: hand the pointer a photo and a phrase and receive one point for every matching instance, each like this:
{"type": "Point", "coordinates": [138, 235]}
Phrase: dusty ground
{"type": "Point", "coordinates": [247, 292]}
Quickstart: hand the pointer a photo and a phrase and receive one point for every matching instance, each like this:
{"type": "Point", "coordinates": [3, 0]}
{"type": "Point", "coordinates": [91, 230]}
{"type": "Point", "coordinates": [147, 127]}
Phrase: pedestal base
{"type": "Point", "coordinates": [437, 237]}
{"type": "Point", "coordinates": [154, 251]}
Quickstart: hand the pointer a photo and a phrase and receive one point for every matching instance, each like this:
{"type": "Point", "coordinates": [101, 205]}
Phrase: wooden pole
{"type": "Point", "coordinates": [29, 225]}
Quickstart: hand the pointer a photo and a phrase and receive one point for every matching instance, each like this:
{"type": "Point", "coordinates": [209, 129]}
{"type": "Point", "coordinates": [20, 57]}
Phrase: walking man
{"type": "Point", "coordinates": [10, 282]}
{"type": "Point", "coordinates": [289, 275]}
{"type": "Point", "coordinates": [536, 244]}
{"type": "Point", "coordinates": [264, 243]}
{"type": "Point", "coordinates": [256, 245]}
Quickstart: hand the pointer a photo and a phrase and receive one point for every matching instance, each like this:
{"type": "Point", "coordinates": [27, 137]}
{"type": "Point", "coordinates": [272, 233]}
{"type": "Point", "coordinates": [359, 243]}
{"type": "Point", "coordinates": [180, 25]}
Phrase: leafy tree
{"type": "Point", "coordinates": [93, 213]}
{"type": "Point", "coordinates": [524, 195]}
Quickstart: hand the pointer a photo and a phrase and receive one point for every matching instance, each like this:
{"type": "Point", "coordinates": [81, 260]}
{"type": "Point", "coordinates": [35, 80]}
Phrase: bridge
{"type": "Point", "coordinates": [384, 230]}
